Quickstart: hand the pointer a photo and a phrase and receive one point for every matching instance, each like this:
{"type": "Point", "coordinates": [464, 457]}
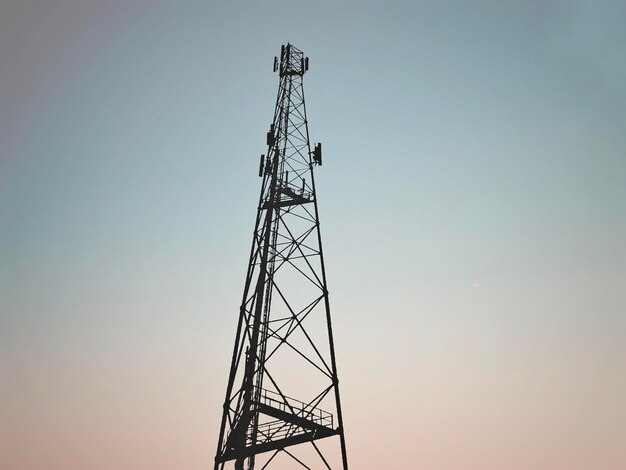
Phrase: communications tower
{"type": "Point", "coordinates": [282, 408]}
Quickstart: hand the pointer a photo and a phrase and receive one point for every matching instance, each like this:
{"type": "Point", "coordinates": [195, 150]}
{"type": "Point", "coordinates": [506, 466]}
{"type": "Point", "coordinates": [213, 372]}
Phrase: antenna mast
{"type": "Point", "coordinates": [282, 397]}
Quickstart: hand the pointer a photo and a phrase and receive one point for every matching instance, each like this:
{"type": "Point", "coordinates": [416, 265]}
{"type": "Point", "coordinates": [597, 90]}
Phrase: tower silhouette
{"type": "Point", "coordinates": [282, 407]}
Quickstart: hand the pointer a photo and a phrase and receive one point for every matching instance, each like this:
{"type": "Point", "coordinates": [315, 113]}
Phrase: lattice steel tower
{"type": "Point", "coordinates": [282, 407]}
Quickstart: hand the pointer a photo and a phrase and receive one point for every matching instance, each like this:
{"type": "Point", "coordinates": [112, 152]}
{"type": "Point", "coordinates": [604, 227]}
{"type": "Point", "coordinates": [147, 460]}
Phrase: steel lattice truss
{"type": "Point", "coordinates": [284, 343]}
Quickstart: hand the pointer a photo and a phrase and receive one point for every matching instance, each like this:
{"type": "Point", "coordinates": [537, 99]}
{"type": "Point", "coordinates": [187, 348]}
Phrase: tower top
{"type": "Point", "coordinates": [292, 61]}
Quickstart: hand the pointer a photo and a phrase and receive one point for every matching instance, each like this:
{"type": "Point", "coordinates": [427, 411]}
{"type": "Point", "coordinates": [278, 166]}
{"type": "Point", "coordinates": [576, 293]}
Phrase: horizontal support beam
{"type": "Point", "coordinates": [290, 418]}
{"type": "Point", "coordinates": [289, 202]}
{"type": "Point", "coordinates": [279, 444]}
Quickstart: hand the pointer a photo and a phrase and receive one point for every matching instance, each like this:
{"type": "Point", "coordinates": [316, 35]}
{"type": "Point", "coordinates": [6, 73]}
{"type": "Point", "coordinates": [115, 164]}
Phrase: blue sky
{"type": "Point", "coordinates": [472, 207]}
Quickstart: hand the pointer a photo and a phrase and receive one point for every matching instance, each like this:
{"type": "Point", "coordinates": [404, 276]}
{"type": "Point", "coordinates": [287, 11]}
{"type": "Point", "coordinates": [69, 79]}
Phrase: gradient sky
{"type": "Point", "coordinates": [472, 202]}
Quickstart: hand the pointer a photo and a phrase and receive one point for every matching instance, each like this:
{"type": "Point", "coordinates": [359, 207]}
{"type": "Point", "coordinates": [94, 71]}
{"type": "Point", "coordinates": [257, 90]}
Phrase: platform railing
{"type": "Point", "coordinates": [279, 429]}
{"type": "Point", "coordinates": [297, 407]}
